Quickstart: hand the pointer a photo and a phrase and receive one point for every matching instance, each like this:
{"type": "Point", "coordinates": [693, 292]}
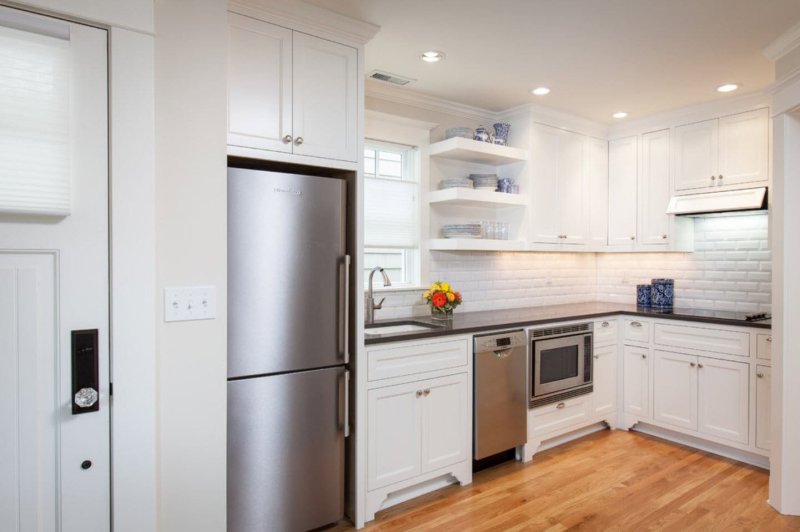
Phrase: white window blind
{"type": "Point", "coordinates": [390, 214]}
{"type": "Point", "coordinates": [34, 123]}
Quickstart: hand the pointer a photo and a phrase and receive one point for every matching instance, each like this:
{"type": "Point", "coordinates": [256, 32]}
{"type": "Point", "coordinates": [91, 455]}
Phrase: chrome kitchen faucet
{"type": "Point", "coordinates": [369, 300]}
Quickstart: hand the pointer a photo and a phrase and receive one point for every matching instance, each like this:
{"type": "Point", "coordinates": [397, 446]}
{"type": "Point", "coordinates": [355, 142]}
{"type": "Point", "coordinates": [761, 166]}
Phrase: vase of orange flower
{"type": "Point", "coordinates": [442, 299]}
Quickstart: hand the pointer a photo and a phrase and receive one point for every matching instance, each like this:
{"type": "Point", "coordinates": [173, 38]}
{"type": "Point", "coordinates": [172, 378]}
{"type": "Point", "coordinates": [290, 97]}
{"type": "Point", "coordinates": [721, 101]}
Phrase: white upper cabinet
{"type": "Point", "coordinates": [595, 200]}
{"type": "Point", "coordinates": [259, 84]}
{"type": "Point", "coordinates": [654, 190]}
{"type": "Point", "coordinates": [722, 152]}
{"type": "Point", "coordinates": [570, 187]}
{"type": "Point", "coordinates": [325, 98]}
{"type": "Point", "coordinates": [291, 92]}
{"type": "Point", "coordinates": [622, 202]}
{"type": "Point", "coordinates": [545, 209]}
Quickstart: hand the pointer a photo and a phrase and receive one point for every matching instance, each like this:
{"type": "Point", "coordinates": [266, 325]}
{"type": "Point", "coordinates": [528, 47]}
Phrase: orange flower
{"type": "Point", "coordinates": [451, 297]}
{"type": "Point", "coordinates": [458, 296]}
{"type": "Point", "coordinates": [439, 300]}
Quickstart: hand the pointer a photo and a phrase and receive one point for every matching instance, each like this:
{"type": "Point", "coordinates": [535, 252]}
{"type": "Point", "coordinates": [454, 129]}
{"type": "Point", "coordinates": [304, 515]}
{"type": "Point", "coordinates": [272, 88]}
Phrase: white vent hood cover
{"type": "Point", "coordinates": [726, 201]}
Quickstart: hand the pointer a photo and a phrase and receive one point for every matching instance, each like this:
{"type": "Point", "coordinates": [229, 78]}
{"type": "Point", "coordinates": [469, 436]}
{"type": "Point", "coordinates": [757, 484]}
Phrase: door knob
{"type": "Point", "coordinates": [86, 397]}
{"type": "Point", "coordinates": [287, 139]}
{"type": "Point", "coordinates": [298, 141]}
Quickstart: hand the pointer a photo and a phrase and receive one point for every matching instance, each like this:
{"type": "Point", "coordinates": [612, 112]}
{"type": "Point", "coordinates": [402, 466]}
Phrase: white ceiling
{"type": "Point", "coordinates": [597, 56]}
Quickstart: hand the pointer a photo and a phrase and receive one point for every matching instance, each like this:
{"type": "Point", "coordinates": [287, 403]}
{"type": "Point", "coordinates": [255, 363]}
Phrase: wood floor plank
{"type": "Point", "coordinates": [609, 481]}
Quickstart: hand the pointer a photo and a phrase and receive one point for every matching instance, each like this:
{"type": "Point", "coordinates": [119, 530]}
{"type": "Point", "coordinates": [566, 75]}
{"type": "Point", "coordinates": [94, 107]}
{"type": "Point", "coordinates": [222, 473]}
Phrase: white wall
{"type": "Point", "coordinates": [190, 60]}
{"type": "Point", "coordinates": [130, 14]}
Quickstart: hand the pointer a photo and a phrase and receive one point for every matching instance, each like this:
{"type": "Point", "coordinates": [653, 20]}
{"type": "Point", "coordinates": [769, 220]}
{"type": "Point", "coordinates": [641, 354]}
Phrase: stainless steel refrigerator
{"type": "Point", "coordinates": [287, 350]}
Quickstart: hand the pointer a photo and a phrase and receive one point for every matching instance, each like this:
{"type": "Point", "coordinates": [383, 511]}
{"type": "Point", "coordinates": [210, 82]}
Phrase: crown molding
{"type": "Point", "coordinates": [307, 18]}
{"type": "Point", "coordinates": [380, 91]}
{"type": "Point", "coordinates": [399, 120]}
{"type": "Point", "coordinates": [784, 44]}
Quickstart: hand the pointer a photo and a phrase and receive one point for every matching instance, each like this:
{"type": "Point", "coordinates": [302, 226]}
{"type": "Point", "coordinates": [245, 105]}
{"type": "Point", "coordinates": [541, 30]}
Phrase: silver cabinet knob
{"type": "Point", "coordinates": [633, 237]}
{"type": "Point", "coordinates": [644, 356]}
{"type": "Point", "coordinates": [700, 366]}
{"type": "Point", "coordinates": [720, 177]}
{"type": "Point", "coordinates": [560, 406]}
{"type": "Point", "coordinates": [86, 397]}
{"type": "Point", "coordinates": [426, 392]}
{"type": "Point", "coordinates": [419, 393]}
{"type": "Point", "coordinates": [713, 178]}
{"type": "Point", "coordinates": [636, 324]}
{"type": "Point", "coordinates": [692, 364]}
{"type": "Point", "coordinates": [769, 339]}
{"type": "Point", "coordinates": [298, 141]}
{"type": "Point", "coordinates": [760, 375]}
{"type": "Point", "coordinates": [287, 139]}
{"type": "Point", "coordinates": [605, 324]}
{"type": "Point", "coordinates": [664, 237]}
{"type": "Point", "coordinates": [597, 357]}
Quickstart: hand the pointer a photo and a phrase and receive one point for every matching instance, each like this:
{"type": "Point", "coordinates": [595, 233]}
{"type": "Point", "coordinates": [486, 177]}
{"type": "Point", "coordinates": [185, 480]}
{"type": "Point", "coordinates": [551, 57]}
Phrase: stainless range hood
{"type": "Point", "coordinates": [747, 199]}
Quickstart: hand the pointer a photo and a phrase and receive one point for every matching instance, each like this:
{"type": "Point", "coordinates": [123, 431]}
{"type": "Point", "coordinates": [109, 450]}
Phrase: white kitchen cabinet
{"type": "Point", "coordinates": [675, 389]}
{"type": "Point", "coordinates": [622, 196]}
{"type": "Point", "coordinates": [724, 398]}
{"type": "Point", "coordinates": [654, 190]}
{"type": "Point", "coordinates": [605, 379]}
{"type": "Point", "coordinates": [291, 92]}
{"type": "Point", "coordinates": [595, 200]}
{"type": "Point", "coordinates": [727, 151]}
{"type": "Point", "coordinates": [636, 381]}
{"type": "Point", "coordinates": [545, 208]}
{"type": "Point", "coordinates": [763, 392]}
{"type": "Point", "coordinates": [764, 346]}
{"type": "Point", "coordinates": [570, 188]}
{"type": "Point", "coordinates": [444, 422]}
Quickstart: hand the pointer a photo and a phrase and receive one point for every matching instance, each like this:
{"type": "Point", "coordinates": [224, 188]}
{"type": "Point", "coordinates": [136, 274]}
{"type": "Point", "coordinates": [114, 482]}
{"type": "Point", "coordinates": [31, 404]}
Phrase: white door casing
{"type": "Point", "coordinates": [54, 278]}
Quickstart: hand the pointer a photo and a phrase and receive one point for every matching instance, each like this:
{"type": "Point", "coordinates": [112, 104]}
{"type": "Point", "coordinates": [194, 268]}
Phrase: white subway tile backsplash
{"type": "Point", "coordinates": [730, 269]}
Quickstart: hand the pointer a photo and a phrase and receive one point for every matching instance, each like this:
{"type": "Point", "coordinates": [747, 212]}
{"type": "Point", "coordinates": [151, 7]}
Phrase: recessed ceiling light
{"type": "Point", "coordinates": [620, 114]}
{"type": "Point", "coordinates": [728, 87]}
{"type": "Point", "coordinates": [432, 56]}
{"type": "Point", "coordinates": [540, 91]}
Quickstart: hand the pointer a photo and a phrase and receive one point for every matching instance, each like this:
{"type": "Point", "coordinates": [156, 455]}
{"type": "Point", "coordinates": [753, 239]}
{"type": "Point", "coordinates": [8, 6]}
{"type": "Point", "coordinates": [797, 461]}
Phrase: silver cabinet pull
{"type": "Point", "coordinates": [692, 364]}
{"type": "Point", "coordinates": [769, 339]}
{"type": "Point", "coordinates": [644, 356]}
{"type": "Point", "coordinates": [597, 357]}
{"type": "Point", "coordinates": [560, 406]}
{"type": "Point", "coordinates": [636, 324]}
{"type": "Point", "coordinates": [298, 141]}
{"type": "Point", "coordinates": [287, 139]}
{"type": "Point", "coordinates": [605, 324]}
{"type": "Point", "coordinates": [419, 393]}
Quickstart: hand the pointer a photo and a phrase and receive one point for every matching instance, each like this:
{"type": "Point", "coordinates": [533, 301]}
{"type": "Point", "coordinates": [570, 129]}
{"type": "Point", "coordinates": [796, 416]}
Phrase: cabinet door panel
{"type": "Point", "coordinates": [622, 172]}
{"type": "Point", "coordinates": [545, 215]}
{"type": "Point", "coordinates": [744, 147]}
{"type": "Point", "coordinates": [724, 398]}
{"type": "Point", "coordinates": [325, 98]}
{"type": "Point", "coordinates": [393, 428]}
{"type": "Point", "coordinates": [605, 379]}
{"type": "Point", "coordinates": [259, 84]}
{"type": "Point", "coordinates": [654, 191]}
{"type": "Point", "coordinates": [763, 412]}
{"type": "Point", "coordinates": [636, 381]}
{"type": "Point", "coordinates": [570, 186]}
{"type": "Point", "coordinates": [696, 155]}
{"type": "Point", "coordinates": [445, 435]}
{"type": "Point", "coordinates": [595, 171]}
{"type": "Point", "coordinates": [675, 389]}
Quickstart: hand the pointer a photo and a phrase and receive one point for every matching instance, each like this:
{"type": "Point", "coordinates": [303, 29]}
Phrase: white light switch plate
{"type": "Point", "coordinates": [185, 303]}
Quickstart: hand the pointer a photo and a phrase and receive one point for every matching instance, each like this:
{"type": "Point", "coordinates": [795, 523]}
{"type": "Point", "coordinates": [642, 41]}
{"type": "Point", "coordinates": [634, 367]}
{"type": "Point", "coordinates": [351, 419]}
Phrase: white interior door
{"type": "Point", "coordinates": [54, 465]}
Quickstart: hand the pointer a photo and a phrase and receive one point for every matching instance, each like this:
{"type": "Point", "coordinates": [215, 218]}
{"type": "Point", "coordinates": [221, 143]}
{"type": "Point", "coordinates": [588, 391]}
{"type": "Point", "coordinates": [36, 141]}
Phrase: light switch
{"type": "Point", "coordinates": [184, 303]}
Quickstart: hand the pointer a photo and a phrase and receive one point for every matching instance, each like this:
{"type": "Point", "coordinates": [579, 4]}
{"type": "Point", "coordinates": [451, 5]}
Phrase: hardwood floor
{"type": "Point", "coordinates": [610, 480]}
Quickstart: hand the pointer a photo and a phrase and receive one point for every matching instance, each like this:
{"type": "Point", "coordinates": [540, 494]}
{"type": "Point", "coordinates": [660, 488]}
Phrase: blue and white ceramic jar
{"type": "Point", "coordinates": [643, 295]}
{"type": "Point", "coordinates": [482, 134]}
{"type": "Point", "coordinates": [501, 132]}
{"type": "Point", "coordinates": [662, 293]}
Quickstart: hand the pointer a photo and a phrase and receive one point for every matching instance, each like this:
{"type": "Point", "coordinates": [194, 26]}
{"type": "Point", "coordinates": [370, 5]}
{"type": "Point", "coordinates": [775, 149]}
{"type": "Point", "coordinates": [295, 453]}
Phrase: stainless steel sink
{"type": "Point", "coordinates": [396, 327]}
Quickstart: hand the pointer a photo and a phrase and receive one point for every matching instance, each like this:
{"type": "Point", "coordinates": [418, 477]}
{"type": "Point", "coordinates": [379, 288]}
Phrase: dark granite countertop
{"type": "Point", "coordinates": [473, 322]}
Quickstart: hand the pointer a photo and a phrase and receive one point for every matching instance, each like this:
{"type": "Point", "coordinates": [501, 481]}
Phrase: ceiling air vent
{"type": "Point", "coordinates": [386, 77]}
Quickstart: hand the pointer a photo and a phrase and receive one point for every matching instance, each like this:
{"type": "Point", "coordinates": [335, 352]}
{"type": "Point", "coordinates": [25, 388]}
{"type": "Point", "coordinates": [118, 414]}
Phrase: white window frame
{"type": "Point", "coordinates": [395, 130]}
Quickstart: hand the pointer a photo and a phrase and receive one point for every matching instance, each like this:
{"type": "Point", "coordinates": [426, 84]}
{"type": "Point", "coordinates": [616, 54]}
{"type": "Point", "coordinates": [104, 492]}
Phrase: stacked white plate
{"type": "Point", "coordinates": [456, 182]}
{"type": "Point", "coordinates": [484, 181]}
{"type": "Point", "coordinates": [461, 231]}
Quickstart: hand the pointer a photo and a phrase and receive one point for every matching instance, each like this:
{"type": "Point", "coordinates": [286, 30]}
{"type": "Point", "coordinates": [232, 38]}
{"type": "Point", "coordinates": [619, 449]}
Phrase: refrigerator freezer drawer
{"type": "Point", "coordinates": [286, 451]}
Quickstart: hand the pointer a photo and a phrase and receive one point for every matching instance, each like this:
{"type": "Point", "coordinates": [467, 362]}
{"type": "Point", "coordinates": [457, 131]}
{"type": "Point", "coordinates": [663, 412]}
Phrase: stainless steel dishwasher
{"type": "Point", "coordinates": [500, 394]}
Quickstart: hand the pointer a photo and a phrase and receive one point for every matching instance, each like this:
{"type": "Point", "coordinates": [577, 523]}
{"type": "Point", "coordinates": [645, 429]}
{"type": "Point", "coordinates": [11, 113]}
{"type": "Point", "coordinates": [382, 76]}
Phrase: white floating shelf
{"type": "Point", "coordinates": [475, 151]}
{"type": "Point", "coordinates": [476, 244]}
{"type": "Point", "coordinates": [475, 198]}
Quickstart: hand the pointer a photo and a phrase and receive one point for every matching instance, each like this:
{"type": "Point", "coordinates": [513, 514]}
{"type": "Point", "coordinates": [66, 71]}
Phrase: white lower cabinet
{"type": "Point", "coordinates": [636, 381]}
{"type": "Point", "coordinates": [763, 391]}
{"type": "Point", "coordinates": [444, 422]}
{"type": "Point", "coordinates": [605, 379]}
{"type": "Point", "coordinates": [708, 395]}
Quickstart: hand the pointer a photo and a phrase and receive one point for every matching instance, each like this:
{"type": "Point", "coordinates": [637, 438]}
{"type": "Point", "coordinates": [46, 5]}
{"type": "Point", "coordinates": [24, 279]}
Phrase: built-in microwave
{"type": "Point", "coordinates": [561, 363]}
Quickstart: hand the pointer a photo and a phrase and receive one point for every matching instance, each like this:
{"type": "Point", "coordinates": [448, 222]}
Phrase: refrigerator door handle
{"type": "Point", "coordinates": [344, 309]}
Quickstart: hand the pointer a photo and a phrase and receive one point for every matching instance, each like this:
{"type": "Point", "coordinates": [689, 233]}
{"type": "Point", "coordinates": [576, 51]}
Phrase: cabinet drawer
{"type": "Point", "coordinates": [560, 415]}
{"type": "Point", "coordinates": [411, 359]}
{"type": "Point", "coordinates": [764, 346]}
{"type": "Point", "coordinates": [605, 332]}
{"type": "Point", "coordinates": [637, 331]}
{"type": "Point", "coordinates": [703, 339]}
